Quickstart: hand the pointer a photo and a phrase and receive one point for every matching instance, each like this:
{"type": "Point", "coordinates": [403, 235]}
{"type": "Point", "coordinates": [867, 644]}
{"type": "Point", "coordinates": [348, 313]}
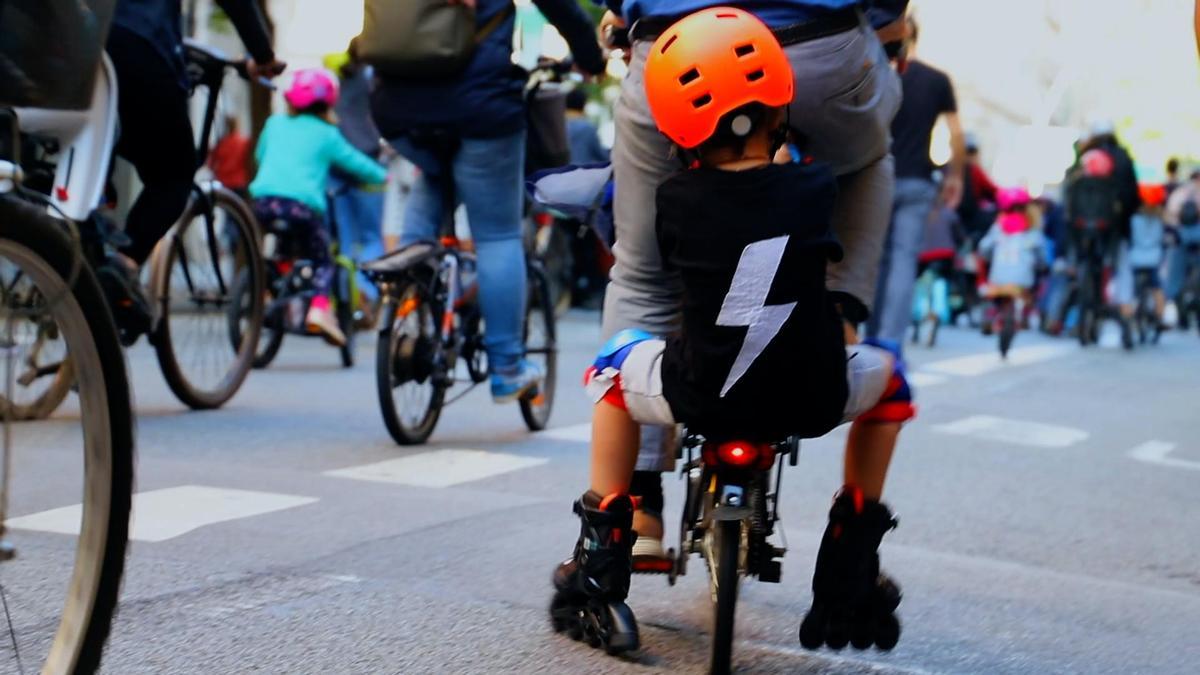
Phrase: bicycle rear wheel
{"type": "Point", "coordinates": [45, 376]}
{"type": "Point", "coordinates": [541, 348]}
{"type": "Point", "coordinates": [345, 314]}
{"type": "Point", "coordinates": [1008, 325]}
{"type": "Point", "coordinates": [725, 576]}
{"type": "Point", "coordinates": [44, 280]}
{"type": "Point", "coordinates": [270, 338]}
{"type": "Point", "coordinates": [410, 395]}
{"type": "Point", "coordinates": [197, 290]}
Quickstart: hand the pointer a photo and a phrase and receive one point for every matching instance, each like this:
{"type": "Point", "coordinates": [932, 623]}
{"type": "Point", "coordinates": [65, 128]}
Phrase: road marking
{"type": "Point", "coordinates": [439, 469]}
{"type": "Point", "coordinates": [1155, 452]}
{"type": "Point", "coordinates": [164, 514]}
{"type": "Point", "coordinates": [579, 433]}
{"type": "Point", "coordinates": [982, 364]}
{"type": "Point", "coordinates": [924, 379]}
{"type": "Point", "coordinates": [1034, 434]}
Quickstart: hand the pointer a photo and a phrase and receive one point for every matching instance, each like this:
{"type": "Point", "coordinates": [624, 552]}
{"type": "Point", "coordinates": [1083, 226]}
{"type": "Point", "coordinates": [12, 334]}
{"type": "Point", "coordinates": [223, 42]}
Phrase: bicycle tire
{"type": "Point", "coordinates": [385, 371]}
{"type": "Point", "coordinates": [269, 339]}
{"type": "Point", "coordinates": [536, 410]}
{"type": "Point", "coordinates": [191, 394]}
{"type": "Point", "coordinates": [1008, 326]}
{"type": "Point", "coordinates": [724, 568]}
{"type": "Point", "coordinates": [90, 333]}
{"type": "Point", "coordinates": [344, 313]}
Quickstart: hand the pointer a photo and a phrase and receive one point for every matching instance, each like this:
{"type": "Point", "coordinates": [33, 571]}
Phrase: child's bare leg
{"type": "Point", "coordinates": [868, 454]}
{"type": "Point", "coordinates": [615, 439]}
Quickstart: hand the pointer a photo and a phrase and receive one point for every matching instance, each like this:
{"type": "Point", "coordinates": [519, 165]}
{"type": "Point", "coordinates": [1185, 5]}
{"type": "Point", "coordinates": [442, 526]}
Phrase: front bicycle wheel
{"type": "Point", "coordinates": [60, 590]}
{"type": "Point", "coordinates": [213, 243]}
{"type": "Point", "coordinates": [410, 392]}
{"type": "Point", "coordinates": [345, 314]}
{"type": "Point", "coordinates": [541, 349]}
{"type": "Point", "coordinates": [727, 542]}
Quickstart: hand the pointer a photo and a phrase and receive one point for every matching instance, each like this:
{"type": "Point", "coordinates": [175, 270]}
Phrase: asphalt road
{"type": "Point", "coordinates": [1049, 524]}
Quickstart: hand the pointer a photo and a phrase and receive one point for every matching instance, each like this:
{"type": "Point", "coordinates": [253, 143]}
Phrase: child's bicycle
{"type": "Point", "coordinates": [431, 321]}
{"type": "Point", "coordinates": [730, 518]}
{"type": "Point", "coordinates": [1008, 305]}
{"type": "Point", "coordinates": [289, 289]}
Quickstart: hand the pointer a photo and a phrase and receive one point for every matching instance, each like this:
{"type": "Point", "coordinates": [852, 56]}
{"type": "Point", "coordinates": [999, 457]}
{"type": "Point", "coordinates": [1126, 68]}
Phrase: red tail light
{"type": "Point", "coordinates": [740, 454]}
{"type": "Point", "coordinates": [543, 218]}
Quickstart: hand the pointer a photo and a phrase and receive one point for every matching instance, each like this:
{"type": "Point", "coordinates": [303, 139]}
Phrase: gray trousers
{"type": "Point", "coordinates": [894, 300]}
{"type": "Point", "coordinates": [846, 96]}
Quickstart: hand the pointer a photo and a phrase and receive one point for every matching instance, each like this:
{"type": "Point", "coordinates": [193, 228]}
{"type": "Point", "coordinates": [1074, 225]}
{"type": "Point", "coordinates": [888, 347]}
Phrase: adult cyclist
{"type": "Point", "coordinates": [146, 48]}
{"type": "Point", "coordinates": [482, 111]}
{"type": "Point", "coordinates": [846, 97]}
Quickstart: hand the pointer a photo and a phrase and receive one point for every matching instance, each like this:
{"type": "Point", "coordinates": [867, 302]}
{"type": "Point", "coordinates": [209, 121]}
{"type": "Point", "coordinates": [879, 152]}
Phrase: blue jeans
{"type": "Point", "coordinates": [488, 176]}
{"type": "Point", "coordinates": [359, 216]}
{"type": "Point", "coordinates": [892, 317]}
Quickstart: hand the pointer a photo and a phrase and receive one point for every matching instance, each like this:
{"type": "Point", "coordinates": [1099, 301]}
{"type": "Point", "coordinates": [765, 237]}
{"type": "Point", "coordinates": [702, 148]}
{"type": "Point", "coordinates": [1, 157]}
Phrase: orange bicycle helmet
{"type": "Point", "coordinates": [709, 64]}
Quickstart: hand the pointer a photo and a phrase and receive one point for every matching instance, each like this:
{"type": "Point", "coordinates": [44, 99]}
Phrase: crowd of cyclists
{"type": "Point", "coordinates": [782, 139]}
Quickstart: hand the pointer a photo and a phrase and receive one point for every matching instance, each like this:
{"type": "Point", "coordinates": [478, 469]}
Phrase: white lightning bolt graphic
{"type": "Point", "coordinates": [745, 305]}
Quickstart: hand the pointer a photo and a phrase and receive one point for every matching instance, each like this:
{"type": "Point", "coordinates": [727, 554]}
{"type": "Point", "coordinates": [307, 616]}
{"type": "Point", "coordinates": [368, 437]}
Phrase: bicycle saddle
{"type": "Point", "coordinates": [402, 260]}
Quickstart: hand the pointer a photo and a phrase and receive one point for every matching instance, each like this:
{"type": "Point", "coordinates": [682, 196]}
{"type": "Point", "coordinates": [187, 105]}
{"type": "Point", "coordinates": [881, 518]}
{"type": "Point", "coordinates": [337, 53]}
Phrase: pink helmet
{"type": "Point", "coordinates": [311, 86]}
{"type": "Point", "coordinates": [1008, 199]}
{"type": "Point", "coordinates": [1097, 164]}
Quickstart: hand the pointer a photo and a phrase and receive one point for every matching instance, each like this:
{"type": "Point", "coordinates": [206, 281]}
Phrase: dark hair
{"type": "Point", "coordinates": [576, 99]}
{"type": "Point", "coordinates": [1173, 165]}
{"type": "Point", "coordinates": [318, 109]}
{"type": "Point", "coordinates": [725, 138]}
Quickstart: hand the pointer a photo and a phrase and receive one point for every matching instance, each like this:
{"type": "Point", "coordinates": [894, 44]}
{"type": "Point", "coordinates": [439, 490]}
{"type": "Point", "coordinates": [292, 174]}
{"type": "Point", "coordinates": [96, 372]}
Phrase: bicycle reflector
{"type": "Point", "coordinates": [740, 454]}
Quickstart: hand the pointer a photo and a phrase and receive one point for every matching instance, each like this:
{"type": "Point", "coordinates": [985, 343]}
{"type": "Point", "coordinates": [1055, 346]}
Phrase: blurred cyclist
{"type": "Point", "coordinates": [482, 112]}
{"type": "Point", "coordinates": [1146, 248]}
{"type": "Point", "coordinates": [295, 154]}
{"type": "Point", "coordinates": [928, 97]}
{"type": "Point", "coordinates": [1014, 247]}
{"type": "Point", "coordinates": [358, 208]}
{"type": "Point", "coordinates": [146, 48]}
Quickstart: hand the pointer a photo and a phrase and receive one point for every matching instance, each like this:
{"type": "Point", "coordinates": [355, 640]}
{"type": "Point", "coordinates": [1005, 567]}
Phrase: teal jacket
{"type": "Point", "coordinates": [295, 153]}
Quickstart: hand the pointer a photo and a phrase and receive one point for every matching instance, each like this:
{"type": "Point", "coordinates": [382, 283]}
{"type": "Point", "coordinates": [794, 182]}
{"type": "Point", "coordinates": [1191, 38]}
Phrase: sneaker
{"type": "Point", "coordinates": [649, 557]}
{"type": "Point", "coordinates": [523, 381]}
{"type": "Point", "coordinates": [320, 320]}
{"type": "Point", "coordinates": [134, 313]}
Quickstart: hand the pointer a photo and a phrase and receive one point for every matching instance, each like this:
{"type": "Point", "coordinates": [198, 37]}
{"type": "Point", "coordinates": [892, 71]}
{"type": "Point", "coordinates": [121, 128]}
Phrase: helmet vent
{"type": "Point", "coordinates": [702, 101]}
{"type": "Point", "coordinates": [727, 15]}
{"type": "Point", "coordinates": [670, 41]}
{"type": "Point", "coordinates": [744, 50]}
{"type": "Point", "coordinates": [689, 77]}
{"type": "Point", "coordinates": [756, 75]}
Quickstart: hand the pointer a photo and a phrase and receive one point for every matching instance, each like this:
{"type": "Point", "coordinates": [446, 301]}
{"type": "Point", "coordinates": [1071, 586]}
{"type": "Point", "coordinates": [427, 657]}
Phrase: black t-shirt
{"type": "Point", "coordinates": [927, 95]}
{"type": "Point", "coordinates": [761, 355]}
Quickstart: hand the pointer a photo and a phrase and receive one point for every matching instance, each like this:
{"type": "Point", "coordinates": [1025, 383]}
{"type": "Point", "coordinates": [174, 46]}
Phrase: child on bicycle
{"type": "Point", "coordinates": [1147, 244]}
{"type": "Point", "coordinates": [1014, 247]}
{"type": "Point", "coordinates": [762, 352]}
{"type": "Point", "coordinates": [295, 153]}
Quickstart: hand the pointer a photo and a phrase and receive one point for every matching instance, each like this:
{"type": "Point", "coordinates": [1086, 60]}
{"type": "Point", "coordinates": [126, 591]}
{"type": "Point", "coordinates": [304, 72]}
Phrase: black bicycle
{"type": "Point", "coordinates": [1093, 250]}
{"type": "Point", "coordinates": [730, 518]}
{"type": "Point", "coordinates": [432, 322]}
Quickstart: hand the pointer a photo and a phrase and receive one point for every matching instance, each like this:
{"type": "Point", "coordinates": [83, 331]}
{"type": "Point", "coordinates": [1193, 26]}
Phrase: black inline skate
{"type": "Point", "coordinates": [853, 602]}
{"type": "Point", "coordinates": [591, 586]}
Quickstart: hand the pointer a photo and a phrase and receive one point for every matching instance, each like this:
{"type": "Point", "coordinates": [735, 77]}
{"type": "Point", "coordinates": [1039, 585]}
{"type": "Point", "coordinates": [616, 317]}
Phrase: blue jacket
{"type": "Point", "coordinates": [486, 99]}
{"type": "Point", "coordinates": [774, 13]}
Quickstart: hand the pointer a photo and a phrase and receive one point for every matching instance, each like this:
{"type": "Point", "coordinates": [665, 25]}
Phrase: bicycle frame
{"type": "Point", "coordinates": [731, 481]}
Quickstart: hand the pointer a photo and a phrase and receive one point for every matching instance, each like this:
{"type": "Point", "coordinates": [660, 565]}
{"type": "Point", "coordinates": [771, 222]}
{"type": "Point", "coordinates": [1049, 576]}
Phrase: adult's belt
{"type": "Point", "coordinates": [822, 25]}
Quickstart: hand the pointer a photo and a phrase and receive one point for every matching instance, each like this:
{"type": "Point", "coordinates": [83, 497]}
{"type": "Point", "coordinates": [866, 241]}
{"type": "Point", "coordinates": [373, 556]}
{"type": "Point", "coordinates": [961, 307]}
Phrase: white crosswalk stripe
{"type": "Point", "coordinates": [440, 468]}
{"type": "Point", "coordinates": [159, 515]}
{"type": "Point", "coordinates": [1033, 434]}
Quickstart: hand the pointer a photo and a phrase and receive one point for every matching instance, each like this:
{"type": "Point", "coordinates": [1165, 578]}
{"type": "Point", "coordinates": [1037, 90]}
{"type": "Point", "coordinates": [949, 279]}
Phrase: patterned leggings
{"type": "Point", "coordinates": [303, 225]}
